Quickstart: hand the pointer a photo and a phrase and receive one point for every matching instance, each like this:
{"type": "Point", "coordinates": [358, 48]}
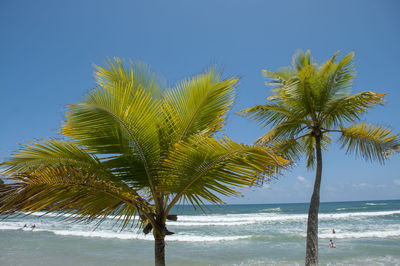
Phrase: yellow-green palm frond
{"type": "Point", "coordinates": [267, 114]}
{"type": "Point", "coordinates": [335, 79]}
{"type": "Point", "coordinates": [370, 142]}
{"type": "Point", "coordinates": [121, 126]}
{"type": "Point", "coordinates": [198, 105]}
{"type": "Point", "coordinates": [137, 75]}
{"type": "Point", "coordinates": [77, 194]}
{"type": "Point", "coordinates": [349, 108]}
{"type": "Point", "coordinates": [279, 78]}
{"type": "Point", "coordinates": [288, 129]}
{"type": "Point", "coordinates": [290, 149]}
{"type": "Point", "coordinates": [200, 166]}
{"type": "Point", "coordinates": [301, 60]}
{"type": "Point", "coordinates": [52, 152]}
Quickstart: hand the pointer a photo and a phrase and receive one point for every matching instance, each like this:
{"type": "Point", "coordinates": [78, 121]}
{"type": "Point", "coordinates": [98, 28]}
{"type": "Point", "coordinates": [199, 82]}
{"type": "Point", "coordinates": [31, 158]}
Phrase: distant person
{"type": "Point", "coordinates": [25, 226]}
{"type": "Point", "coordinates": [331, 244]}
{"type": "Point", "coordinates": [33, 226]}
{"type": "Point", "coordinates": [333, 231]}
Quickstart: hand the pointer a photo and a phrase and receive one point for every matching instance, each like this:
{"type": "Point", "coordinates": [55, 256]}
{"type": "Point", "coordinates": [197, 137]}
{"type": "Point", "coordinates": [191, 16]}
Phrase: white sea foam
{"type": "Point", "coordinates": [178, 223]}
{"type": "Point", "coordinates": [366, 234]}
{"type": "Point", "coordinates": [126, 235]}
{"type": "Point", "coordinates": [244, 219]}
{"type": "Point", "coordinates": [375, 204]}
{"type": "Point", "coordinates": [271, 210]}
{"type": "Point", "coordinates": [353, 208]}
{"type": "Point", "coordinates": [239, 219]}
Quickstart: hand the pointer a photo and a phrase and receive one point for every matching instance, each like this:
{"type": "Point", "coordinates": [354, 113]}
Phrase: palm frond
{"type": "Point", "coordinates": [370, 142]}
{"type": "Point", "coordinates": [335, 79]}
{"type": "Point", "coordinates": [136, 75]}
{"type": "Point", "coordinates": [267, 114]}
{"type": "Point", "coordinates": [349, 108]}
{"type": "Point", "coordinates": [203, 164]}
{"type": "Point", "coordinates": [52, 152]}
{"type": "Point", "coordinates": [288, 129]}
{"type": "Point", "coordinates": [111, 122]}
{"type": "Point", "coordinates": [290, 149]}
{"type": "Point", "coordinates": [199, 104]}
{"type": "Point", "coordinates": [78, 194]}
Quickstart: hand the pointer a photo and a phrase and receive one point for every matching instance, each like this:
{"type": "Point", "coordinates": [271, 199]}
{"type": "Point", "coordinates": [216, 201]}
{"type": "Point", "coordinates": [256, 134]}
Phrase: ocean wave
{"type": "Point", "coordinates": [265, 217]}
{"type": "Point", "coordinates": [271, 210]}
{"type": "Point", "coordinates": [123, 235]}
{"type": "Point", "coordinates": [375, 204]}
{"type": "Point", "coordinates": [246, 219]}
{"type": "Point", "coordinates": [352, 208]}
{"type": "Point", "coordinates": [178, 223]}
{"type": "Point", "coordinates": [367, 234]}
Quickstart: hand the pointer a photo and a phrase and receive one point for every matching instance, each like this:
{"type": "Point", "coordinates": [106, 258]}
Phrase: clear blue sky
{"type": "Point", "coordinates": [47, 49]}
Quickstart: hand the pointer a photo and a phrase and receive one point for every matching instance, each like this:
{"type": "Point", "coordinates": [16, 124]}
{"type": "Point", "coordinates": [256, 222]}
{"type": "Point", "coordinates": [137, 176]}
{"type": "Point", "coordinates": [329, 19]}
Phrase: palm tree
{"type": "Point", "coordinates": [309, 102]}
{"type": "Point", "coordinates": [134, 149]}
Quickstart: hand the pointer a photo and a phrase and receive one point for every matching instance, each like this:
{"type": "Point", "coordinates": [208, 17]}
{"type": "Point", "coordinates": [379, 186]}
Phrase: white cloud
{"type": "Point", "coordinates": [361, 185]}
{"type": "Point", "coordinates": [266, 186]}
{"type": "Point", "coordinates": [396, 182]}
{"type": "Point", "coordinates": [369, 186]}
{"type": "Point", "coordinates": [302, 184]}
{"type": "Point", "coordinates": [301, 179]}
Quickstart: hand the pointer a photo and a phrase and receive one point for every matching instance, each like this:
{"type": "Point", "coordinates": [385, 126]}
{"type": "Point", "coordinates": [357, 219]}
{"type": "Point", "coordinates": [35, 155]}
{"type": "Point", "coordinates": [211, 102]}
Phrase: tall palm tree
{"type": "Point", "coordinates": [309, 103]}
{"type": "Point", "coordinates": [132, 148]}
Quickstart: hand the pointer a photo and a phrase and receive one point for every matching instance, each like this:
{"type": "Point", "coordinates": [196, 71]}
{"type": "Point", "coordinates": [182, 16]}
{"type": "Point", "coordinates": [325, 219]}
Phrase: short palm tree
{"type": "Point", "coordinates": [309, 102]}
{"type": "Point", "coordinates": [134, 149]}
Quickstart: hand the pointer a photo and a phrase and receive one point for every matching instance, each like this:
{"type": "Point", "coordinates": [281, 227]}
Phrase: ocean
{"type": "Point", "coordinates": [367, 233]}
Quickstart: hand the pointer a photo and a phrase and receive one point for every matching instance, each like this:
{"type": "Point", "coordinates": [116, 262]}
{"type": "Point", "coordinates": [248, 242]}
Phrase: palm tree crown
{"type": "Point", "coordinates": [309, 102]}
{"type": "Point", "coordinates": [133, 148]}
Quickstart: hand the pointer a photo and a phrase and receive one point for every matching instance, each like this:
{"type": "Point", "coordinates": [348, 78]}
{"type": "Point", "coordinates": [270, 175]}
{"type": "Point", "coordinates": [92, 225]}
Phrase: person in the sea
{"type": "Point", "coordinates": [25, 226]}
{"type": "Point", "coordinates": [33, 226]}
{"type": "Point", "coordinates": [331, 244]}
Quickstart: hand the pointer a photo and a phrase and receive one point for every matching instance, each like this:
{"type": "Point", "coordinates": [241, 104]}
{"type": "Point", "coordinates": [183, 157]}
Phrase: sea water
{"type": "Point", "coordinates": [366, 233]}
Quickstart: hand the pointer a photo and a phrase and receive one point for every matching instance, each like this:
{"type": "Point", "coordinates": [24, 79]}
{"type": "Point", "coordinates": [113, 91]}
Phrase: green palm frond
{"type": "Point", "coordinates": [79, 194]}
{"type": "Point", "coordinates": [123, 127]}
{"type": "Point", "coordinates": [349, 108]}
{"type": "Point", "coordinates": [199, 104]}
{"type": "Point", "coordinates": [285, 130]}
{"type": "Point", "coordinates": [370, 142]}
{"type": "Point", "coordinates": [279, 78]}
{"type": "Point", "coordinates": [290, 149]}
{"type": "Point", "coordinates": [267, 114]}
{"type": "Point", "coordinates": [301, 60]}
{"type": "Point", "coordinates": [204, 164]}
{"type": "Point", "coordinates": [137, 75]}
{"type": "Point", "coordinates": [335, 79]}
{"type": "Point", "coordinates": [44, 153]}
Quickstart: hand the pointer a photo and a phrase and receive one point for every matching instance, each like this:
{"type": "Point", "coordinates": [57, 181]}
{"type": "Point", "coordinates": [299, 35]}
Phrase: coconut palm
{"type": "Point", "coordinates": [309, 103]}
{"type": "Point", "coordinates": [132, 148]}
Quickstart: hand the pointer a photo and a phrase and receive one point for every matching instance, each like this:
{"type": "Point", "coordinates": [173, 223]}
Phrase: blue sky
{"type": "Point", "coordinates": [47, 50]}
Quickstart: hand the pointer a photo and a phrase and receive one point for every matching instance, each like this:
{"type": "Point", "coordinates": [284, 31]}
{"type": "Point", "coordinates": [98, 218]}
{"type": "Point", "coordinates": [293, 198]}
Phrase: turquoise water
{"type": "Point", "coordinates": [367, 233]}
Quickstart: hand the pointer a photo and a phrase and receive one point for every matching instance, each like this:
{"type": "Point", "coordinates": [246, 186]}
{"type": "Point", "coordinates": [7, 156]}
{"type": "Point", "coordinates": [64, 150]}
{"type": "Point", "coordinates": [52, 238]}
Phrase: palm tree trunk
{"type": "Point", "coordinates": [312, 223]}
{"type": "Point", "coordinates": [159, 235]}
{"type": "Point", "coordinates": [159, 250]}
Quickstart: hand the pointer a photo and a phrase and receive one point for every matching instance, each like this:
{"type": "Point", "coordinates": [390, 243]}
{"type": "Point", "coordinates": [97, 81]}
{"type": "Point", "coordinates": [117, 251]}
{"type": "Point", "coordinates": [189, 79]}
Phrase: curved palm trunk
{"type": "Point", "coordinates": [159, 250]}
{"type": "Point", "coordinates": [159, 235]}
{"type": "Point", "coordinates": [312, 222]}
